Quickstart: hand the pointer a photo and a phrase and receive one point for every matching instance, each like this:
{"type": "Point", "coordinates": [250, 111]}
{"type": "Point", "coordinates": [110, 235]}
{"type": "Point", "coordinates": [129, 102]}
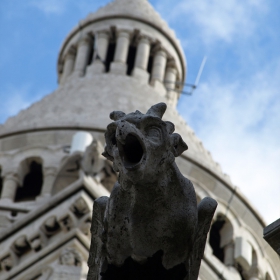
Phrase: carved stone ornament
{"type": "Point", "coordinates": [70, 256]}
{"type": "Point", "coordinates": [151, 226]}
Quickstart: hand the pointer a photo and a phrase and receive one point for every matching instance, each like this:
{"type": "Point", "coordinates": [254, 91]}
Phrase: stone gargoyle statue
{"type": "Point", "coordinates": [150, 227]}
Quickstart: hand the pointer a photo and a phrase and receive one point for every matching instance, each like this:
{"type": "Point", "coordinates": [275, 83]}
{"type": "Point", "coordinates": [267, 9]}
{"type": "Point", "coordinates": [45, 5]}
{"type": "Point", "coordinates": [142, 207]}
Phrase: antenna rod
{"type": "Point", "coordinates": [200, 71]}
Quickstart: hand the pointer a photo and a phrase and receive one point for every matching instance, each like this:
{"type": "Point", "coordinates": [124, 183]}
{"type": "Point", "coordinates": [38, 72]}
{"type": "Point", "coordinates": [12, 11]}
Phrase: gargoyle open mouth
{"type": "Point", "coordinates": [131, 152]}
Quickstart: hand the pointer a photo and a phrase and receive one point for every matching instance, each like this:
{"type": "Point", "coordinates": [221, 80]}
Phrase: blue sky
{"type": "Point", "coordinates": [236, 109]}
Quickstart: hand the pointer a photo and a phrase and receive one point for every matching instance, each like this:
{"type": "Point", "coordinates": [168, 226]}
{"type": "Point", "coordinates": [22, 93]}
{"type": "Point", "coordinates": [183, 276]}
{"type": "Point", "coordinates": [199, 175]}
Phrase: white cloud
{"type": "Point", "coordinates": [50, 6]}
{"type": "Point", "coordinates": [239, 124]}
{"type": "Point", "coordinates": [215, 19]}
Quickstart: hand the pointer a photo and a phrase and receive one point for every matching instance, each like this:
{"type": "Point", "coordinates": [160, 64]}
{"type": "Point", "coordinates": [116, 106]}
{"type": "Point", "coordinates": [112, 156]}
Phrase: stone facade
{"type": "Point", "coordinates": [123, 57]}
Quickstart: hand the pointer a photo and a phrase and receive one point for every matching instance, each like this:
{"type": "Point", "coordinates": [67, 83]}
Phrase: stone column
{"type": "Point", "coordinates": [82, 58]}
{"type": "Point", "coordinates": [49, 177]}
{"type": "Point", "coordinates": [142, 58]}
{"type": "Point", "coordinates": [68, 64]}
{"type": "Point", "coordinates": [158, 70]}
{"type": "Point", "coordinates": [119, 65]}
{"type": "Point", "coordinates": [229, 254]}
{"type": "Point", "coordinates": [10, 186]}
{"type": "Point", "coordinates": [170, 83]}
{"type": "Point", "coordinates": [100, 52]}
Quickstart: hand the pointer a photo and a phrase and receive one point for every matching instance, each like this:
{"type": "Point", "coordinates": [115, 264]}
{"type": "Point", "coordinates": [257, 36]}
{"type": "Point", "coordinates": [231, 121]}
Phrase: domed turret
{"type": "Point", "coordinates": [123, 57]}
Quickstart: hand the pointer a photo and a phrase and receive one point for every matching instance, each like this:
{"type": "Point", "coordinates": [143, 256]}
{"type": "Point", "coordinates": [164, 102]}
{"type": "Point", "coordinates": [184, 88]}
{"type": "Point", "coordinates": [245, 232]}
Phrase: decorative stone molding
{"type": "Point", "coordinates": [71, 257]}
{"type": "Point", "coordinates": [84, 224]}
{"type": "Point", "coordinates": [36, 242]}
{"type": "Point", "coordinates": [8, 261]}
{"type": "Point", "coordinates": [80, 207]}
{"type": "Point", "coordinates": [66, 222]}
{"type": "Point", "coordinates": [50, 226]}
{"type": "Point", "coordinates": [21, 245]}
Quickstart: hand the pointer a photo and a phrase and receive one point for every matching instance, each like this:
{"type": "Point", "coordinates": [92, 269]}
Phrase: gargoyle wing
{"type": "Point", "coordinates": [206, 210]}
{"type": "Point", "coordinates": [96, 252]}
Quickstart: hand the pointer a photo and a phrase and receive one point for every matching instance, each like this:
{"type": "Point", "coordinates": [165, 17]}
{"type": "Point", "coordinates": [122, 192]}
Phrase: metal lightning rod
{"type": "Point", "coordinates": [192, 86]}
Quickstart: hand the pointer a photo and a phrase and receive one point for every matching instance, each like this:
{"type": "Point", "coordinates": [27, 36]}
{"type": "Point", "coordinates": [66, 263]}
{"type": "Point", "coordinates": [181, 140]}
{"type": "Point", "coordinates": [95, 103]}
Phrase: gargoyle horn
{"type": "Point", "coordinates": [116, 115]}
{"type": "Point", "coordinates": [157, 110]}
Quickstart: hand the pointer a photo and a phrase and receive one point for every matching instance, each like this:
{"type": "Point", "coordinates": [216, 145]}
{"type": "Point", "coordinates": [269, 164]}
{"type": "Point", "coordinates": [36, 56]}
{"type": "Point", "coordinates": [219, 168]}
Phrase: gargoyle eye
{"type": "Point", "coordinates": [153, 132]}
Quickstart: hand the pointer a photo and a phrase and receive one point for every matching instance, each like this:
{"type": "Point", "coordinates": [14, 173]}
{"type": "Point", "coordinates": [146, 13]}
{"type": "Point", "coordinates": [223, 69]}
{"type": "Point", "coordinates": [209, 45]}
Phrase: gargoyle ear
{"type": "Point", "coordinates": [178, 144]}
{"type": "Point", "coordinates": [157, 110]}
{"type": "Point", "coordinates": [116, 115]}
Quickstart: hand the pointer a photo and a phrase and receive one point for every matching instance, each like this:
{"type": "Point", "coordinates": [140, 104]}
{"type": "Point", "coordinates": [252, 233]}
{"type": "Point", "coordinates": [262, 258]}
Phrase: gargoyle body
{"type": "Point", "coordinates": [152, 207]}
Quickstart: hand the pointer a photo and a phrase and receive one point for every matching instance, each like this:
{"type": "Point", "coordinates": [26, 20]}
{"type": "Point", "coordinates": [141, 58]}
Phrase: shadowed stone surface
{"type": "Point", "coordinates": [151, 222]}
{"type": "Point", "coordinates": [271, 234]}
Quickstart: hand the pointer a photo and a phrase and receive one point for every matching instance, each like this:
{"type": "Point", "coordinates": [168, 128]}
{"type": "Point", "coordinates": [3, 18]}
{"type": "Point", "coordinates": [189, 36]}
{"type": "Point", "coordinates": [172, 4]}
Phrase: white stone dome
{"type": "Point", "coordinates": [141, 10]}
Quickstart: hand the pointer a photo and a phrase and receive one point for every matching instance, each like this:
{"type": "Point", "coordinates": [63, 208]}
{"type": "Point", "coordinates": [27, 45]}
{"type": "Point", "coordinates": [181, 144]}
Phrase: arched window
{"type": "Point", "coordinates": [215, 238]}
{"type": "Point", "coordinates": [32, 182]}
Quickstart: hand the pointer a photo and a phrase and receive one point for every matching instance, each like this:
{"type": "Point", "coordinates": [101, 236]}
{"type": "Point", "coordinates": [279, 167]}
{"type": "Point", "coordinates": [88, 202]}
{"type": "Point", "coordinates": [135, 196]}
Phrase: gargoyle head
{"type": "Point", "coordinates": [142, 145]}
